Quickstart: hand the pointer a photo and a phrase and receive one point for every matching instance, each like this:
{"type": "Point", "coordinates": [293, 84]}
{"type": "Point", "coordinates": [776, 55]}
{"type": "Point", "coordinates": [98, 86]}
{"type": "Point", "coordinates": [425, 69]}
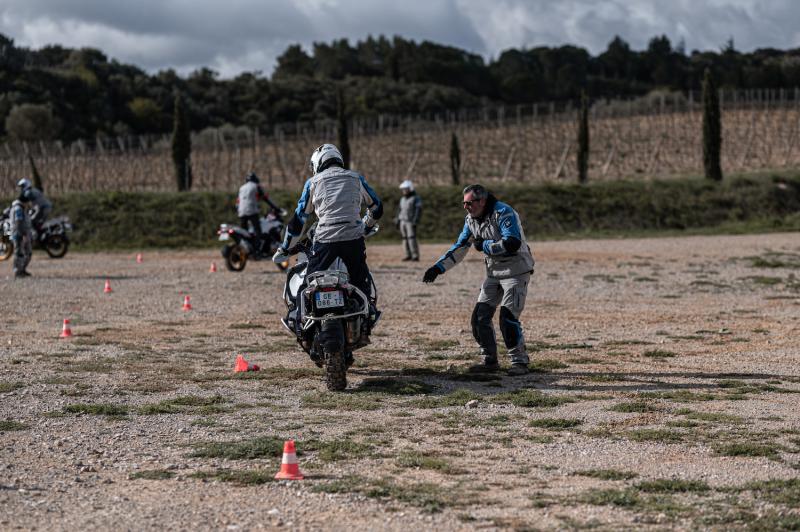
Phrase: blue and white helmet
{"type": "Point", "coordinates": [24, 183]}
{"type": "Point", "coordinates": [322, 155]}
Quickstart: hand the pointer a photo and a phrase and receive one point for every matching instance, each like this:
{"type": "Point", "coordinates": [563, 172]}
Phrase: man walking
{"type": "Point", "coordinates": [493, 228]}
{"type": "Point", "coordinates": [408, 214]}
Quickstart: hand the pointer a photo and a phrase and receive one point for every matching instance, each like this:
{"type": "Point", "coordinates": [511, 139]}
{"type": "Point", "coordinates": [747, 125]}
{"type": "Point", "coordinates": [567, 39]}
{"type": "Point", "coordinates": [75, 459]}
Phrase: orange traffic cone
{"type": "Point", "coordinates": [289, 468]}
{"type": "Point", "coordinates": [139, 258]}
{"type": "Point", "coordinates": [213, 268]}
{"type": "Point", "coordinates": [243, 365]}
{"type": "Point", "coordinates": [107, 289]}
{"type": "Point", "coordinates": [186, 304]}
{"type": "Point", "coordinates": [66, 332]}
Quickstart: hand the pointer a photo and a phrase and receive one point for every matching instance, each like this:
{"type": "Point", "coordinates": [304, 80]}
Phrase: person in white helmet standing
{"type": "Point", "coordinates": [408, 215]}
{"type": "Point", "coordinates": [21, 236]}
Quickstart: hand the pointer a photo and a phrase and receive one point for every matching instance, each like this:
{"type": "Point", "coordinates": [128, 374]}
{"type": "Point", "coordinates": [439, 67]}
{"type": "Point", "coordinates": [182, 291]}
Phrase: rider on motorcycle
{"type": "Point", "coordinates": [247, 206]}
{"type": "Point", "coordinates": [335, 194]}
{"type": "Point", "coordinates": [21, 236]}
{"type": "Point", "coordinates": [39, 203]}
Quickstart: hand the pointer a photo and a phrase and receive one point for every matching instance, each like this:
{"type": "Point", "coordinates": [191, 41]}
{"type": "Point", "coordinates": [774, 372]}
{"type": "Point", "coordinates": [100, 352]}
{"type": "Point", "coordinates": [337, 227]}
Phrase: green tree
{"type": "Point", "coordinates": [712, 129]}
{"type": "Point", "coordinates": [341, 118]}
{"type": "Point", "coordinates": [146, 114]}
{"type": "Point", "coordinates": [31, 122]}
{"type": "Point", "coordinates": [583, 139]}
{"type": "Point", "coordinates": [455, 159]}
{"type": "Point", "coordinates": [181, 146]}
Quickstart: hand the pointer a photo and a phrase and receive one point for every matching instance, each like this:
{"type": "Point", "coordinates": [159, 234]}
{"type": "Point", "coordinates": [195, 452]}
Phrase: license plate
{"type": "Point", "coordinates": [224, 236]}
{"type": "Point", "coordinates": [329, 299]}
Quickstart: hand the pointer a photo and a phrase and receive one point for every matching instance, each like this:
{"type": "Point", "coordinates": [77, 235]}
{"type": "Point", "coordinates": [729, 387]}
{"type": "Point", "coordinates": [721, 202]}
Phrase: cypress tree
{"type": "Point", "coordinates": [181, 146]}
{"type": "Point", "coordinates": [455, 159]}
{"type": "Point", "coordinates": [341, 118]}
{"type": "Point", "coordinates": [37, 179]}
{"type": "Point", "coordinates": [583, 139]}
{"type": "Point", "coordinates": [712, 129]}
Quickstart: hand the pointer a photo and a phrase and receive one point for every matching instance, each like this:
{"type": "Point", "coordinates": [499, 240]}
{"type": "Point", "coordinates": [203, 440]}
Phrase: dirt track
{"type": "Point", "coordinates": [665, 394]}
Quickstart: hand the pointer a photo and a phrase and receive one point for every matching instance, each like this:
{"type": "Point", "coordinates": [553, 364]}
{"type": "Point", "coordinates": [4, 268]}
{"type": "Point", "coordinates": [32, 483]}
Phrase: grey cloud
{"type": "Point", "coordinates": [235, 35]}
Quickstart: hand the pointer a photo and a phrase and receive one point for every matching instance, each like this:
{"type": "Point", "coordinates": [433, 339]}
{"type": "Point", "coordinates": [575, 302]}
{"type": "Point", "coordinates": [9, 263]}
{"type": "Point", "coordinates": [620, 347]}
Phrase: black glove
{"type": "Point", "coordinates": [431, 274]}
{"type": "Point", "coordinates": [478, 244]}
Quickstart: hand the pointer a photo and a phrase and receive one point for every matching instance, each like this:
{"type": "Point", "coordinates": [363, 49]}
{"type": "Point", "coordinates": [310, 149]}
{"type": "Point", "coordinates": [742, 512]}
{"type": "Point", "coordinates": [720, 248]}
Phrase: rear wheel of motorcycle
{"type": "Point", "coordinates": [6, 248]}
{"type": "Point", "coordinates": [236, 258]}
{"type": "Point", "coordinates": [56, 246]}
{"type": "Point", "coordinates": [336, 371]}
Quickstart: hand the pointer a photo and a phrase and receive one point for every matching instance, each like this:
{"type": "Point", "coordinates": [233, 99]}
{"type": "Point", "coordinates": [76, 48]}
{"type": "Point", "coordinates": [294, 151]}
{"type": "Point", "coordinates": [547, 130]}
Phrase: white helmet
{"type": "Point", "coordinates": [407, 184]}
{"type": "Point", "coordinates": [323, 154]}
{"type": "Point", "coordinates": [24, 183]}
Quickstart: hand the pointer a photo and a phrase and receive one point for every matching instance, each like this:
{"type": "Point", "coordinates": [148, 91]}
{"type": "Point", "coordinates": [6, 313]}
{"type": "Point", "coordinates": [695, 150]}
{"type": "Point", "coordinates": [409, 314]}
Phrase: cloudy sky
{"type": "Point", "coordinates": [232, 36]}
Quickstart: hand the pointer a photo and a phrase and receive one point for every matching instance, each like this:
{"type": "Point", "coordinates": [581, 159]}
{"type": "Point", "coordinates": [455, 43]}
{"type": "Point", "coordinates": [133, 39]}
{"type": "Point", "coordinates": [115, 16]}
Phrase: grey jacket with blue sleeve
{"type": "Point", "coordinates": [501, 238]}
{"type": "Point", "coordinates": [335, 195]}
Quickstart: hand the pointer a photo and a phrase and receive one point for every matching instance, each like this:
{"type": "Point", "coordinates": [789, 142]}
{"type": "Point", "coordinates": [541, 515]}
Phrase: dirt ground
{"type": "Point", "coordinates": [664, 395]}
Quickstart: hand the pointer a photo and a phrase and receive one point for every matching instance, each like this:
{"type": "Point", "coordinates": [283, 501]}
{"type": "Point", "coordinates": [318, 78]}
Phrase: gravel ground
{"type": "Point", "coordinates": [664, 396]}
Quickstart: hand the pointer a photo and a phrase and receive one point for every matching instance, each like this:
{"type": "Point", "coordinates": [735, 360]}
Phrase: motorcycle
{"type": "Point", "coordinates": [51, 236]}
{"type": "Point", "coordinates": [330, 317]}
{"type": "Point", "coordinates": [241, 244]}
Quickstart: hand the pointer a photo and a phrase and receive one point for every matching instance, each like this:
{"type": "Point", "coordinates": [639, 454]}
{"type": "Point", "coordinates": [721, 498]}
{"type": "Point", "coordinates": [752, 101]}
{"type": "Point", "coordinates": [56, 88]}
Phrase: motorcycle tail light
{"type": "Point", "coordinates": [230, 231]}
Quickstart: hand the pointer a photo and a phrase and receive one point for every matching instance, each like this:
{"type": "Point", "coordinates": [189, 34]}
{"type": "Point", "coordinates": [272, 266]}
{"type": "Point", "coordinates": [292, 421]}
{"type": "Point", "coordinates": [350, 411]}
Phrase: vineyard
{"type": "Point", "coordinates": [654, 137]}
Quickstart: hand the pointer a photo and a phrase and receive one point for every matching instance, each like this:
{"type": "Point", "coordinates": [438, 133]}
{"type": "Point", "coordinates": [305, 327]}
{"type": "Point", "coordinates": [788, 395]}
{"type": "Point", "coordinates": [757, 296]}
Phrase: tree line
{"type": "Point", "coordinates": [60, 93]}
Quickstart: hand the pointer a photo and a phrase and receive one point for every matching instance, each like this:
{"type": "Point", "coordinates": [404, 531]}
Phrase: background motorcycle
{"type": "Point", "coordinates": [329, 317]}
{"type": "Point", "coordinates": [241, 244]}
{"type": "Point", "coordinates": [52, 236]}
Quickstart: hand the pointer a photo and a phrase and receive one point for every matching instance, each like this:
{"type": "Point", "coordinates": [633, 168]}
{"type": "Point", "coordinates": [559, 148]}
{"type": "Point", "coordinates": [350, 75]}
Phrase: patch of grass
{"type": "Point", "coordinates": [638, 407]}
{"type": "Point", "coordinates": [236, 476]}
{"type": "Point", "coordinates": [455, 398]}
{"type": "Point", "coordinates": [546, 365]}
{"type": "Point", "coordinates": [152, 474]}
{"type": "Point", "coordinates": [556, 423]}
{"type": "Point", "coordinates": [659, 353]}
{"type": "Point", "coordinates": [10, 425]}
{"type": "Point", "coordinates": [427, 496]}
{"type": "Point", "coordinates": [341, 401]}
{"type": "Point", "coordinates": [185, 404]}
{"type": "Point", "coordinates": [607, 474]}
{"type": "Point", "coordinates": [415, 459]}
{"type": "Point", "coordinates": [262, 447]}
{"type": "Point", "coordinates": [680, 396]}
{"type": "Point", "coordinates": [657, 435]}
{"type": "Point", "coordinates": [778, 491]}
{"type": "Point", "coordinates": [763, 280]}
{"type": "Point", "coordinates": [339, 449]}
{"type": "Point", "coordinates": [747, 449]}
{"type": "Point", "coordinates": [6, 387]}
{"type": "Point", "coordinates": [428, 344]}
{"type": "Point", "coordinates": [610, 497]}
{"type": "Point", "coordinates": [672, 486]}
{"type": "Point", "coordinates": [395, 386]}
{"type": "Point", "coordinates": [715, 417]}
{"type": "Point", "coordinates": [245, 326]}
{"type": "Point", "coordinates": [528, 398]}
{"type": "Point", "coordinates": [100, 409]}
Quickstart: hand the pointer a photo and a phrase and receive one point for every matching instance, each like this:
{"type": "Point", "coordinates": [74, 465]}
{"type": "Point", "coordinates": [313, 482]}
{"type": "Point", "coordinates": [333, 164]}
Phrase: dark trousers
{"type": "Point", "coordinates": [352, 252]}
{"type": "Point", "coordinates": [253, 220]}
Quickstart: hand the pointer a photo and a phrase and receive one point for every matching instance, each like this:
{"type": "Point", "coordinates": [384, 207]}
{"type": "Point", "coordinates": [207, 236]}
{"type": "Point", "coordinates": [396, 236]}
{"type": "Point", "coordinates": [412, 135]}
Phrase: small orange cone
{"type": "Point", "coordinates": [107, 289]}
{"type": "Point", "coordinates": [186, 304]}
{"type": "Point", "coordinates": [139, 258]}
{"type": "Point", "coordinates": [66, 332]}
{"type": "Point", "coordinates": [213, 268]}
{"type": "Point", "coordinates": [289, 468]}
{"type": "Point", "coordinates": [243, 365]}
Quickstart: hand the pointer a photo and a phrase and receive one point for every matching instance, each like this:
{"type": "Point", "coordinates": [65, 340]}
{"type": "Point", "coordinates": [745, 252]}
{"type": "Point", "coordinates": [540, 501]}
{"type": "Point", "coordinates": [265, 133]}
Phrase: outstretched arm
{"type": "Point", "coordinates": [304, 208]}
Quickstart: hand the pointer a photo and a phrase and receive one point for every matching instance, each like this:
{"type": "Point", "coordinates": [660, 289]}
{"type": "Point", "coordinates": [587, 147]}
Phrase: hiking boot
{"type": "Point", "coordinates": [407, 259]}
{"type": "Point", "coordinates": [488, 365]}
{"type": "Point", "coordinates": [518, 369]}
{"type": "Point", "coordinates": [20, 275]}
{"type": "Point", "coordinates": [414, 259]}
{"type": "Point", "coordinates": [348, 359]}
